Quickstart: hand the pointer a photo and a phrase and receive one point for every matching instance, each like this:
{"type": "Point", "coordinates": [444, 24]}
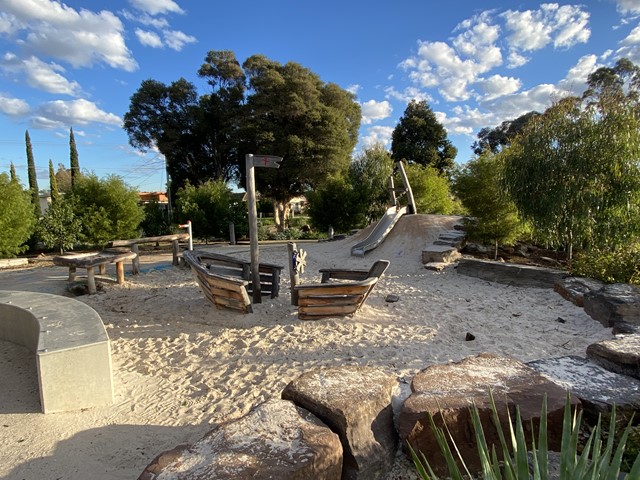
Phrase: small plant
{"type": "Point", "coordinates": [596, 460]}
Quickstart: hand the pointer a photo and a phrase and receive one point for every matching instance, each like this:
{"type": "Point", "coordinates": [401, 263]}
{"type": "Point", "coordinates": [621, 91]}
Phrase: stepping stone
{"type": "Point", "coordinates": [436, 266]}
{"type": "Point", "coordinates": [510, 273]}
{"type": "Point", "coordinates": [597, 388]}
{"type": "Point", "coordinates": [440, 253]}
{"type": "Point", "coordinates": [574, 288]}
{"type": "Point", "coordinates": [619, 355]}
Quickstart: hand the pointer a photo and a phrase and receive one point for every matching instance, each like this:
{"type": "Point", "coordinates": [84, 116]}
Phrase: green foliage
{"type": "Point", "coordinates": [575, 169]}
{"type": "Point", "coordinates": [63, 179]}
{"type": "Point", "coordinates": [156, 220]}
{"type": "Point", "coordinates": [431, 191]}
{"type": "Point", "coordinates": [73, 158]}
{"type": "Point", "coordinates": [495, 139]}
{"type": "Point", "coordinates": [59, 228]}
{"type": "Point", "coordinates": [493, 216]}
{"type": "Point", "coordinates": [108, 209]}
{"type": "Point", "coordinates": [595, 460]}
{"type": "Point", "coordinates": [53, 184]}
{"type": "Point", "coordinates": [16, 217]}
{"type": "Point", "coordinates": [33, 179]}
{"type": "Point", "coordinates": [420, 138]}
{"type": "Point", "coordinates": [369, 176]}
{"type": "Point", "coordinates": [620, 264]}
{"type": "Point", "coordinates": [209, 207]}
{"type": "Point", "coordinates": [336, 204]}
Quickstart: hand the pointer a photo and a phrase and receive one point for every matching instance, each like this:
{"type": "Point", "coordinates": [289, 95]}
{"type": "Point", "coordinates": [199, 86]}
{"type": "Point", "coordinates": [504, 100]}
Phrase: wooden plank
{"type": "Point", "coordinates": [335, 288]}
{"type": "Point", "coordinates": [161, 238]}
{"type": "Point", "coordinates": [341, 300]}
{"type": "Point", "coordinates": [328, 311]}
{"type": "Point", "coordinates": [341, 274]}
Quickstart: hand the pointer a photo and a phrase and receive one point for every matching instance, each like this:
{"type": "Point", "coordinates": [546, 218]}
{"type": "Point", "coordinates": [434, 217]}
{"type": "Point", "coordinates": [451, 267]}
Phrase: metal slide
{"type": "Point", "coordinates": [379, 232]}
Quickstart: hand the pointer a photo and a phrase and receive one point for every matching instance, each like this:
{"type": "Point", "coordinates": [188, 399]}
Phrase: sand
{"type": "Point", "coordinates": [181, 367]}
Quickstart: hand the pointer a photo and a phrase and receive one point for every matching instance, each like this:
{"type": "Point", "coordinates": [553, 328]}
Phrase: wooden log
{"type": "Point", "coordinates": [135, 263]}
{"type": "Point", "coordinates": [120, 272]}
{"type": "Point", "coordinates": [91, 280]}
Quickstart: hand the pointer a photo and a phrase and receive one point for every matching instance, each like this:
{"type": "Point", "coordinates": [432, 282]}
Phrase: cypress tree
{"type": "Point", "coordinates": [73, 157]}
{"type": "Point", "coordinates": [33, 179]}
{"type": "Point", "coordinates": [12, 173]}
{"type": "Point", "coordinates": [53, 184]}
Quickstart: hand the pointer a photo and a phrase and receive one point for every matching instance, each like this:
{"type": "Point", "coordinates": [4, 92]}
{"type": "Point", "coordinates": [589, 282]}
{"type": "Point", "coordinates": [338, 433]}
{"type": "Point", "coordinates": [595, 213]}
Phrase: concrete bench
{"type": "Point", "coordinates": [95, 259]}
{"type": "Point", "coordinates": [134, 242]}
{"type": "Point", "coordinates": [72, 349]}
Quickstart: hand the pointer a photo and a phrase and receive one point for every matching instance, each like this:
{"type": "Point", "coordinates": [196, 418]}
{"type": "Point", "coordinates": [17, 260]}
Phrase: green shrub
{"type": "Point", "coordinates": [16, 217]}
{"type": "Point", "coordinates": [595, 460]}
{"type": "Point", "coordinates": [616, 265]}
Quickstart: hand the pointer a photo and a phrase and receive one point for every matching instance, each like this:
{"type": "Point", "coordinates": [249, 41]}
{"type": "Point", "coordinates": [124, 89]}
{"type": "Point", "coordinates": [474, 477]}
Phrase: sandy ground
{"type": "Point", "coordinates": [181, 367]}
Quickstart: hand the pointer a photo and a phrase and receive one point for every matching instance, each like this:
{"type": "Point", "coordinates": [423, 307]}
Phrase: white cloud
{"type": "Point", "coordinates": [41, 75]}
{"type": "Point", "coordinates": [13, 107]}
{"type": "Point", "coordinates": [59, 113]}
{"type": "Point", "coordinates": [148, 39]}
{"type": "Point", "coordinates": [377, 135]}
{"type": "Point", "coordinates": [79, 37]}
{"type": "Point", "coordinates": [627, 7]}
{"type": "Point", "coordinates": [408, 94]}
{"type": "Point", "coordinates": [564, 26]}
{"type": "Point", "coordinates": [496, 85]}
{"type": "Point", "coordinates": [372, 110]}
{"type": "Point", "coordinates": [515, 60]}
{"type": "Point", "coordinates": [176, 40]}
{"type": "Point", "coordinates": [354, 88]}
{"type": "Point", "coordinates": [155, 7]}
{"type": "Point", "coordinates": [575, 81]}
{"type": "Point", "coordinates": [538, 98]}
{"type": "Point", "coordinates": [465, 120]}
{"type": "Point", "coordinates": [630, 46]}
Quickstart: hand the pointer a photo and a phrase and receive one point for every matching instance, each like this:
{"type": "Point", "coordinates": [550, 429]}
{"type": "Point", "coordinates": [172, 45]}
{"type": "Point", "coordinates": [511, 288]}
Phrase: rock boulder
{"type": "Point", "coordinates": [619, 302]}
{"type": "Point", "coordinates": [620, 354]}
{"type": "Point", "coordinates": [355, 402]}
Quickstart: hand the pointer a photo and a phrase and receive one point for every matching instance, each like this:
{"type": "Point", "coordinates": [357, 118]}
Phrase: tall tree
{"type": "Point", "coordinates": [73, 158]}
{"type": "Point", "coordinates": [293, 114]}
{"type": "Point", "coordinates": [16, 217]}
{"type": "Point", "coordinates": [33, 178]}
{"type": "Point", "coordinates": [420, 138]}
{"type": "Point", "coordinates": [495, 139]}
{"type": "Point", "coordinates": [63, 179]}
{"type": "Point", "coordinates": [53, 184]}
{"type": "Point", "coordinates": [12, 173]}
{"type": "Point", "coordinates": [574, 173]}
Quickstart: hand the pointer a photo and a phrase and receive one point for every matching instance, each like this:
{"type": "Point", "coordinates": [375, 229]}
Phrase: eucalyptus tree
{"type": "Point", "coordinates": [500, 137]}
{"type": "Point", "coordinates": [574, 173]}
{"type": "Point", "coordinates": [420, 138]}
{"type": "Point", "coordinates": [290, 112]}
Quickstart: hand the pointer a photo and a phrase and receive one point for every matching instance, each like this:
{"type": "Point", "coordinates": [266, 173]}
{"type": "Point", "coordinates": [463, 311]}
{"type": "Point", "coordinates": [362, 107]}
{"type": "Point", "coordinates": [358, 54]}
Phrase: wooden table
{"type": "Point", "coordinates": [133, 243]}
{"type": "Point", "coordinates": [92, 260]}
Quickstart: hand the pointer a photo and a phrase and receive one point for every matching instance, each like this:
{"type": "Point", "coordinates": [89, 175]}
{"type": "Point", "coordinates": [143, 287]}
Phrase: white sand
{"type": "Point", "coordinates": [180, 366]}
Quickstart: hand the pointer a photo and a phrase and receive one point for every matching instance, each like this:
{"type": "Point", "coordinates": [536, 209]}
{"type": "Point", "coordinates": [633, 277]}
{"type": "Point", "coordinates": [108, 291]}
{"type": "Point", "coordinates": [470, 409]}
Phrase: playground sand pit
{"type": "Point", "coordinates": [181, 367]}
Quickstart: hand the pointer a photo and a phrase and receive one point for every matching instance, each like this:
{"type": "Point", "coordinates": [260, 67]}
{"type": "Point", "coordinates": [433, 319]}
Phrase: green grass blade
{"type": "Point", "coordinates": [541, 454]}
{"type": "Point", "coordinates": [520, 453]}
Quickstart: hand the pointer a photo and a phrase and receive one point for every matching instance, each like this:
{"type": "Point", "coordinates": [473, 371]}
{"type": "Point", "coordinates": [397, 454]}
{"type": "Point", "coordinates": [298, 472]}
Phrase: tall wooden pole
{"type": "Point", "coordinates": [253, 228]}
{"type": "Point", "coordinates": [407, 187]}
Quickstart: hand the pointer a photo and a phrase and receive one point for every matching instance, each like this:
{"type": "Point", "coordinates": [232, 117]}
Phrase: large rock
{"type": "Point", "coordinates": [446, 392]}
{"type": "Point", "coordinates": [574, 288]}
{"type": "Point", "coordinates": [356, 403]}
{"type": "Point", "coordinates": [275, 440]}
{"type": "Point", "coordinates": [619, 302]}
{"type": "Point", "coordinates": [597, 388]}
{"type": "Point", "coordinates": [440, 253]}
{"type": "Point", "coordinates": [619, 355]}
{"type": "Point", "coordinates": [510, 273]}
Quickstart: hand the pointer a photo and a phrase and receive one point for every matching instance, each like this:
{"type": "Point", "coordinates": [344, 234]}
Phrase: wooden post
{"type": "Point", "coordinates": [253, 228]}
{"type": "Point", "coordinates": [120, 272]}
{"type": "Point", "coordinates": [176, 252]}
{"type": "Point", "coordinates": [91, 280]}
{"type": "Point", "coordinates": [232, 233]}
{"type": "Point", "coordinates": [293, 273]}
{"type": "Point", "coordinates": [407, 187]}
{"type": "Point", "coordinates": [135, 263]}
{"type": "Point", "coordinates": [392, 191]}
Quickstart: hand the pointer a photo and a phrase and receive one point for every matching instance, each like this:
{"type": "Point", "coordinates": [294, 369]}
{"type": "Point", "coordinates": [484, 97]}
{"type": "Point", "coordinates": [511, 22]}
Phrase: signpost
{"type": "Point", "coordinates": [265, 161]}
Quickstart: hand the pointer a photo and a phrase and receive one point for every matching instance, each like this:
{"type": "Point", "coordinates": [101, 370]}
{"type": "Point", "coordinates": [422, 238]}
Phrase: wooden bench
{"type": "Point", "coordinates": [73, 353]}
{"type": "Point", "coordinates": [225, 281]}
{"type": "Point", "coordinates": [95, 259]}
{"type": "Point", "coordinates": [133, 243]}
{"type": "Point", "coordinates": [345, 297]}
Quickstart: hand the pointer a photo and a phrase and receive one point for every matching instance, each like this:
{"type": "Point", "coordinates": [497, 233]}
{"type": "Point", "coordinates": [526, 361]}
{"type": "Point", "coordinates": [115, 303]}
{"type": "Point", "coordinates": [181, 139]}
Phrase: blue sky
{"type": "Point", "coordinates": [76, 64]}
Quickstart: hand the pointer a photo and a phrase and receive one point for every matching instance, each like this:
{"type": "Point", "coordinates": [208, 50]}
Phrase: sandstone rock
{"type": "Point", "coordinates": [510, 273]}
{"type": "Point", "coordinates": [619, 355]}
{"type": "Point", "coordinates": [574, 288]}
{"type": "Point", "coordinates": [440, 253]}
{"type": "Point", "coordinates": [275, 440]}
{"type": "Point", "coordinates": [355, 402]}
{"type": "Point", "coordinates": [446, 392]}
{"type": "Point", "coordinates": [597, 388]}
{"type": "Point", "coordinates": [436, 266]}
{"type": "Point", "coordinates": [619, 302]}
{"type": "Point", "coordinates": [624, 328]}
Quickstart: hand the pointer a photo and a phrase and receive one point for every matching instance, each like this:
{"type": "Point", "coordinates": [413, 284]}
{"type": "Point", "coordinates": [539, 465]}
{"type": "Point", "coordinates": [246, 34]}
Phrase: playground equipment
{"type": "Point", "coordinates": [391, 217]}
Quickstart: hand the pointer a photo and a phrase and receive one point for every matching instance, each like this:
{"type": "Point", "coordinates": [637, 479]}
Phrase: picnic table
{"type": "Point", "coordinates": [95, 259]}
{"type": "Point", "coordinates": [133, 243]}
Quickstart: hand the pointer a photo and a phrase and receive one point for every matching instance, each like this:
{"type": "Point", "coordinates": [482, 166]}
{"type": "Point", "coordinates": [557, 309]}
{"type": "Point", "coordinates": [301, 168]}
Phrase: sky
{"type": "Point", "coordinates": [477, 63]}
